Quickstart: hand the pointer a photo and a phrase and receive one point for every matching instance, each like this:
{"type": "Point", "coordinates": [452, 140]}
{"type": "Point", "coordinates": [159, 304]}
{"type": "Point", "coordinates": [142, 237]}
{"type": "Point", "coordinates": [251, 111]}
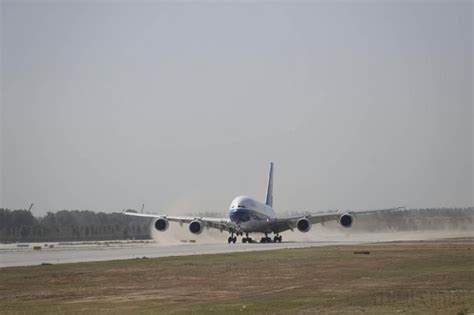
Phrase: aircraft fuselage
{"type": "Point", "coordinates": [251, 215]}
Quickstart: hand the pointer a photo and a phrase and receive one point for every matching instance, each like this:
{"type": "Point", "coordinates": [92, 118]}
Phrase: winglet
{"type": "Point", "coordinates": [269, 195]}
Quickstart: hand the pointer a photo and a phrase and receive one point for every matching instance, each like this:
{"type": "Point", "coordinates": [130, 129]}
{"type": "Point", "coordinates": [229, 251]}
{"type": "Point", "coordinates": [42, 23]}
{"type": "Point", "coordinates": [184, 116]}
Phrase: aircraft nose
{"type": "Point", "coordinates": [239, 215]}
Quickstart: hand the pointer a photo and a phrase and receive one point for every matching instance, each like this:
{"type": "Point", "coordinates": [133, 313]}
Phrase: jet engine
{"type": "Point", "coordinates": [196, 227]}
{"type": "Point", "coordinates": [161, 224]}
{"type": "Point", "coordinates": [346, 220]}
{"type": "Point", "coordinates": [303, 225]}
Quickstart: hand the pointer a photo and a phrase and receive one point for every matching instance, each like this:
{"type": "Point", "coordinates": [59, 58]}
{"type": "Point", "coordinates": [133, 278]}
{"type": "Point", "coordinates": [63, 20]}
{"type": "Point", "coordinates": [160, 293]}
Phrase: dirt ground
{"type": "Point", "coordinates": [417, 277]}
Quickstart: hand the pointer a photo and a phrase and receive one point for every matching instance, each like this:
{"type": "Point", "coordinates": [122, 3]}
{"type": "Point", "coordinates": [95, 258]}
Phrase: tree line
{"type": "Point", "coordinates": [75, 225]}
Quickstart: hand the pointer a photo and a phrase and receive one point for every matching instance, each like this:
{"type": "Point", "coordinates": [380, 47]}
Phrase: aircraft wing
{"type": "Point", "coordinates": [289, 223]}
{"type": "Point", "coordinates": [376, 211]}
{"type": "Point", "coordinates": [216, 223]}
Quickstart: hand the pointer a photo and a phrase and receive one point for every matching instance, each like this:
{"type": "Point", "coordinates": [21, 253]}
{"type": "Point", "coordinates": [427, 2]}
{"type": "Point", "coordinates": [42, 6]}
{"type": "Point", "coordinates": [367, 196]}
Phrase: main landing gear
{"type": "Point", "coordinates": [246, 239]}
{"type": "Point", "coordinates": [266, 239]}
{"type": "Point", "coordinates": [232, 238]}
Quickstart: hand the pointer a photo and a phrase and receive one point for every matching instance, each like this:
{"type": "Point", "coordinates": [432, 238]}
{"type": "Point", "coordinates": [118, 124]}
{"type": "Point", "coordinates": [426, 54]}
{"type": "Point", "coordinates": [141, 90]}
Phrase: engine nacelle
{"type": "Point", "coordinates": [196, 227]}
{"type": "Point", "coordinates": [346, 220]}
{"type": "Point", "coordinates": [303, 225]}
{"type": "Point", "coordinates": [161, 224]}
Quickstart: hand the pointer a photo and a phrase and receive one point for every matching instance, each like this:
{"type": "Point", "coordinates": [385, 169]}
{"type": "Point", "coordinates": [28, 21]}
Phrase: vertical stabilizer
{"type": "Point", "coordinates": [269, 196]}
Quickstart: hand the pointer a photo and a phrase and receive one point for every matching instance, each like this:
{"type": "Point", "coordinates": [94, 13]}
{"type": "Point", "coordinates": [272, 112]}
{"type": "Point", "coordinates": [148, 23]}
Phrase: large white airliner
{"type": "Point", "coordinates": [247, 215]}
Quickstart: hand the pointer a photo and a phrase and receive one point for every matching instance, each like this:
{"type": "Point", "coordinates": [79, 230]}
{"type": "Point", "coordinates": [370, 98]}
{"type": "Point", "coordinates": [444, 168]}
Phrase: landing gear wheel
{"type": "Point", "coordinates": [234, 239]}
{"type": "Point", "coordinates": [229, 239]}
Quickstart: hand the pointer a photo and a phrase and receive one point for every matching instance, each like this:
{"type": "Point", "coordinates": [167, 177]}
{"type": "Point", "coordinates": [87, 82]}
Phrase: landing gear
{"type": "Point", "coordinates": [276, 239]}
{"type": "Point", "coordinates": [266, 239]}
{"type": "Point", "coordinates": [246, 239]}
{"type": "Point", "coordinates": [232, 238]}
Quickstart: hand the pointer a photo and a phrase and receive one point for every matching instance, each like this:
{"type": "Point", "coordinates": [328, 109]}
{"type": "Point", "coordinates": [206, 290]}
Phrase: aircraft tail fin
{"type": "Point", "coordinates": [269, 195]}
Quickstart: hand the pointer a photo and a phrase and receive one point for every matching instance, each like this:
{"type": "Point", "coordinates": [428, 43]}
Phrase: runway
{"type": "Point", "coordinates": [11, 255]}
{"type": "Point", "coordinates": [59, 253]}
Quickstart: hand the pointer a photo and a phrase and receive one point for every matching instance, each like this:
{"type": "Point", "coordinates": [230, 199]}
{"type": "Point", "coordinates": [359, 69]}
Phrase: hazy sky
{"type": "Point", "coordinates": [181, 106]}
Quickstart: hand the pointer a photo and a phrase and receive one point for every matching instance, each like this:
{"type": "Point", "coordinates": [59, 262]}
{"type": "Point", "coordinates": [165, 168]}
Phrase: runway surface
{"type": "Point", "coordinates": [57, 253]}
{"type": "Point", "coordinates": [11, 255]}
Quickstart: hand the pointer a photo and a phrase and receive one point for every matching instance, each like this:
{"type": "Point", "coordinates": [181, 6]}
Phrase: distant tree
{"type": "Point", "coordinates": [24, 232]}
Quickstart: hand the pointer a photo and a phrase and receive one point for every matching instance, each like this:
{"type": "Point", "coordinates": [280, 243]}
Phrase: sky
{"type": "Point", "coordinates": [106, 105]}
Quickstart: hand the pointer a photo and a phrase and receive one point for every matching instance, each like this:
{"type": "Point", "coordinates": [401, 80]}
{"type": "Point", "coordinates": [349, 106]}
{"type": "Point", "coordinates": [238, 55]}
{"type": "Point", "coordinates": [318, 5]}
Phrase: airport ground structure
{"type": "Point", "coordinates": [63, 226]}
{"type": "Point", "coordinates": [415, 277]}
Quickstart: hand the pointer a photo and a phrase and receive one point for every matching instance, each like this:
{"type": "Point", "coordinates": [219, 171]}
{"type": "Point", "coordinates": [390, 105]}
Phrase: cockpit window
{"type": "Point", "coordinates": [240, 206]}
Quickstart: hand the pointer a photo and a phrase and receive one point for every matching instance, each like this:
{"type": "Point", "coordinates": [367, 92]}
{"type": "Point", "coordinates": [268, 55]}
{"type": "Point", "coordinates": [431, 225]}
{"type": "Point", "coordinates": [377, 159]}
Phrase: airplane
{"type": "Point", "coordinates": [247, 215]}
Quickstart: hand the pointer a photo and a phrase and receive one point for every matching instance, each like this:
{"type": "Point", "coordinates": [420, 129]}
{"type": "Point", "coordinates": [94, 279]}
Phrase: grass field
{"type": "Point", "coordinates": [407, 277]}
